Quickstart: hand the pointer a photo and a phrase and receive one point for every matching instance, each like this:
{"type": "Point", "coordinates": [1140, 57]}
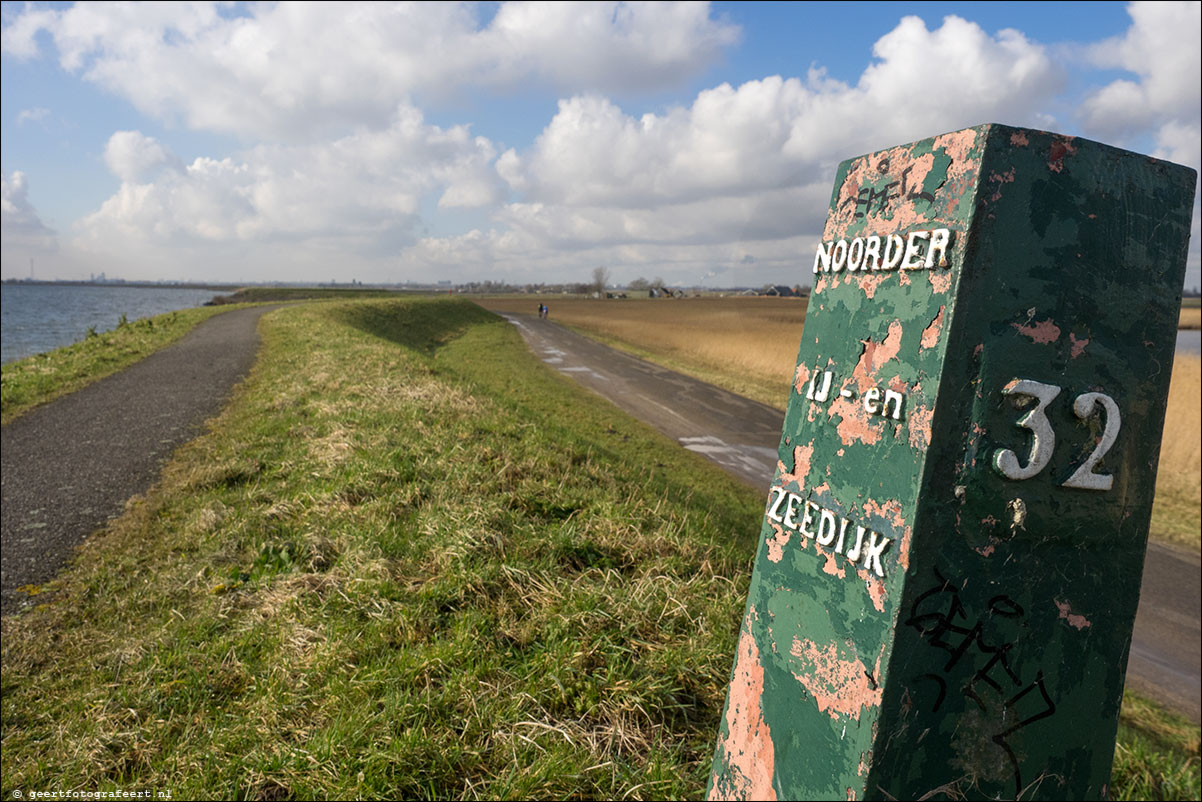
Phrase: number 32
{"type": "Point", "coordinates": [1044, 438]}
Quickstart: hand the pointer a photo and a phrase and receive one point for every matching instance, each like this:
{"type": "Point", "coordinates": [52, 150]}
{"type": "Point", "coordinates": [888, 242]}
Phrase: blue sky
{"type": "Point", "coordinates": [527, 142]}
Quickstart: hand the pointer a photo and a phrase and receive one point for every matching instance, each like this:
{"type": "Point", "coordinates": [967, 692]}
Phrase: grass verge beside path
{"type": "Point", "coordinates": [27, 383]}
{"type": "Point", "coordinates": [1156, 755]}
{"type": "Point", "coordinates": [409, 561]}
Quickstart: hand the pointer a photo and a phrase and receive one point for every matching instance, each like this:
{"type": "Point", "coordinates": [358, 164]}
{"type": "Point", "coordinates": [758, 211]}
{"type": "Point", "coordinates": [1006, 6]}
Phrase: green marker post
{"type": "Point", "coordinates": [951, 552]}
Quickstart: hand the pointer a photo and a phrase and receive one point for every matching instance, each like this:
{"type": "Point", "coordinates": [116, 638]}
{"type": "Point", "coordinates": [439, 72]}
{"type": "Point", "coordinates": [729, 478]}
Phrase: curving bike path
{"type": "Point", "coordinates": [69, 466]}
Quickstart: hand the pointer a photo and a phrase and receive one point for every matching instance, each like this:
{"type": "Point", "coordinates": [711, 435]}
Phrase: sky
{"type": "Point", "coordinates": [528, 142]}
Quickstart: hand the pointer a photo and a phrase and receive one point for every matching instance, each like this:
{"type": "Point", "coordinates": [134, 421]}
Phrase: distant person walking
{"type": "Point", "coordinates": [546, 311]}
{"type": "Point", "coordinates": [540, 311]}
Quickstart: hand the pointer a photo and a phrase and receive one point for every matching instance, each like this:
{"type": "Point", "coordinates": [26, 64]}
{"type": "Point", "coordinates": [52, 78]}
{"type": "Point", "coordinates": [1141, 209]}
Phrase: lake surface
{"type": "Point", "coordinates": [35, 318]}
{"type": "Point", "coordinates": [1189, 342]}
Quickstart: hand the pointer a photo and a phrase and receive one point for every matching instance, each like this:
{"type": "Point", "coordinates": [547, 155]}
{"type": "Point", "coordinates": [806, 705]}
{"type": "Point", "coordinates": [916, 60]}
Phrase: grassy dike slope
{"type": "Point", "coordinates": [407, 562]}
{"type": "Point", "coordinates": [410, 561]}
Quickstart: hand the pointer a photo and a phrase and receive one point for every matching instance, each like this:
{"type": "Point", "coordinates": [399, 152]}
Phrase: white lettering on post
{"type": "Point", "coordinates": [913, 252]}
{"type": "Point", "coordinates": [918, 250]}
{"type": "Point", "coordinates": [866, 551]}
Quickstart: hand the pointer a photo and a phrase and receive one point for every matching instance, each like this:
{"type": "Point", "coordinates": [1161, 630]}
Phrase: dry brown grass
{"type": "Point", "coordinates": [746, 344]}
{"type": "Point", "coordinates": [749, 346]}
{"type": "Point", "coordinates": [1191, 318]}
{"type": "Point", "coordinates": [1175, 516]}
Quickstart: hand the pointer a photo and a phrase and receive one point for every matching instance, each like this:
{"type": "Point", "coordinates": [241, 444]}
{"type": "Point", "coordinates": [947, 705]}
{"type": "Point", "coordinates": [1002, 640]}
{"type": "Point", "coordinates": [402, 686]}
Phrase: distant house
{"type": "Point", "coordinates": [780, 291]}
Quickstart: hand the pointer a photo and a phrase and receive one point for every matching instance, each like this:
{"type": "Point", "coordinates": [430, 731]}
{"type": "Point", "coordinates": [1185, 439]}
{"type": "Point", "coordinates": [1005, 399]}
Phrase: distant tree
{"type": "Point", "coordinates": [600, 279]}
{"type": "Point", "coordinates": [639, 283]}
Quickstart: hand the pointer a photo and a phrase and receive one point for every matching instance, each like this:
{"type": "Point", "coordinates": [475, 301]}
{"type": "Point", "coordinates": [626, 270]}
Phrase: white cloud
{"type": "Point", "coordinates": [21, 229]}
{"type": "Point", "coordinates": [775, 133]}
{"type": "Point", "coordinates": [35, 114]}
{"type": "Point", "coordinates": [360, 193]}
{"type": "Point", "coordinates": [733, 183]}
{"type": "Point", "coordinates": [131, 155]}
{"type": "Point", "coordinates": [1163, 51]}
{"type": "Point", "coordinates": [299, 70]}
{"type": "Point", "coordinates": [725, 182]}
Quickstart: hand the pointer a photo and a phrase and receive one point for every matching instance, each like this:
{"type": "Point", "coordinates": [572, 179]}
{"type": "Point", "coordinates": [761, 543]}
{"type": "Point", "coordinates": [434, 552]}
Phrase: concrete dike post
{"type": "Point", "coordinates": [951, 550]}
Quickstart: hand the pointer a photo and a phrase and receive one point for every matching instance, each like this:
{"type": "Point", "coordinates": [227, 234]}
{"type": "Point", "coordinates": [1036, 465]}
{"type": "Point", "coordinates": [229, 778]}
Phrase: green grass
{"type": "Point", "coordinates": [37, 379]}
{"type": "Point", "coordinates": [275, 294]}
{"type": "Point", "coordinates": [407, 561]}
{"type": "Point", "coordinates": [1157, 755]}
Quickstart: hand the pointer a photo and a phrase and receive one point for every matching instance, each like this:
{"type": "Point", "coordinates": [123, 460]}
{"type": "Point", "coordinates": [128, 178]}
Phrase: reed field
{"type": "Point", "coordinates": [749, 346]}
{"type": "Point", "coordinates": [746, 344]}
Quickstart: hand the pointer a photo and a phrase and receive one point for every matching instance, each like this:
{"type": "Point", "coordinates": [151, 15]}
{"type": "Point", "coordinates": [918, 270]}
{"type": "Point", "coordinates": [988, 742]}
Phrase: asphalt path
{"type": "Point", "coordinates": [69, 466]}
{"type": "Point", "coordinates": [742, 436]}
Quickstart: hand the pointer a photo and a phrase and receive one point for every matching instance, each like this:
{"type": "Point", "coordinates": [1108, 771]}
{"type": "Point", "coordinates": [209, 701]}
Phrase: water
{"type": "Point", "coordinates": [41, 317]}
{"type": "Point", "coordinates": [1189, 342]}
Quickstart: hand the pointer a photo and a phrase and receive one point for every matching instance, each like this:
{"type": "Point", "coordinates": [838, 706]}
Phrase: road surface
{"type": "Point", "coordinates": [69, 466]}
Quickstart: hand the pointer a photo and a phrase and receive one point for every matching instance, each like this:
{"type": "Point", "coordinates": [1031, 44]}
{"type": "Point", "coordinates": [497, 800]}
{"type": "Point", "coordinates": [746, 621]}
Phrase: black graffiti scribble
{"type": "Point", "coordinates": [943, 621]}
{"type": "Point", "coordinates": [1048, 709]}
{"type": "Point", "coordinates": [868, 196]}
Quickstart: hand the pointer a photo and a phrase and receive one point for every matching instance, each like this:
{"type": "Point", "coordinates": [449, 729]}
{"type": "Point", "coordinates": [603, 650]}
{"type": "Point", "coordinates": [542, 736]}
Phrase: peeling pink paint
{"type": "Point", "coordinates": [1061, 146]}
{"type": "Point", "coordinates": [977, 351]}
{"type": "Point", "coordinates": [1043, 332]}
{"type": "Point", "coordinates": [777, 543]}
{"type": "Point", "coordinates": [902, 213]}
{"type": "Point", "coordinates": [875, 587]}
{"type": "Point", "coordinates": [749, 752]}
{"type": "Point", "coordinates": [941, 282]}
{"type": "Point", "coordinates": [1001, 178]}
{"type": "Point", "coordinates": [831, 566]}
{"type": "Point", "coordinates": [855, 422]}
{"type": "Point", "coordinates": [1078, 346]}
{"type": "Point", "coordinates": [870, 281]}
{"type": "Point", "coordinates": [930, 335]}
{"type": "Point", "coordinates": [838, 686]}
{"type": "Point", "coordinates": [801, 378]}
{"type": "Point", "coordinates": [963, 171]}
{"type": "Point", "coordinates": [802, 457]}
{"type": "Point", "coordinates": [987, 550]}
{"type": "Point", "coordinates": [919, 422]}
{"type": "Point", "coordinates": [876, 355]}
{"type": "Point", "coordinates": [1019, 139]}
{"type": "Point", "coordinates": [1066, 613]}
